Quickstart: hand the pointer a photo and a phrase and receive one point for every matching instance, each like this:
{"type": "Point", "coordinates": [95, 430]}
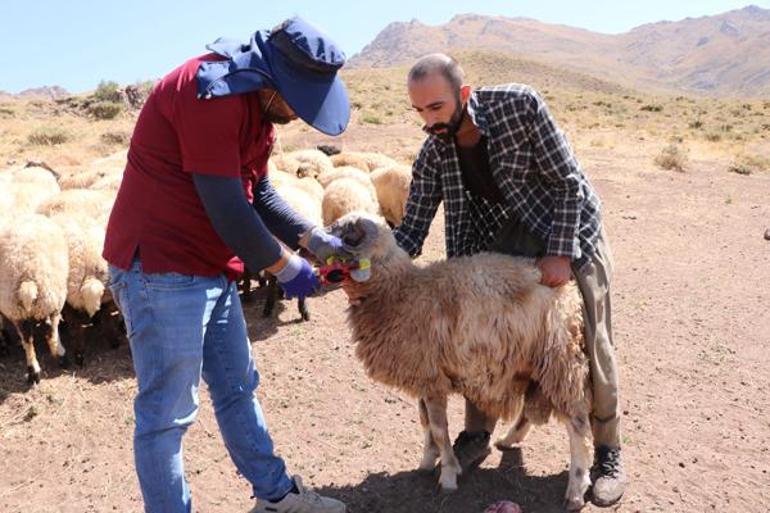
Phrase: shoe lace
{"type": "Point", "coordinates": [608, 462]}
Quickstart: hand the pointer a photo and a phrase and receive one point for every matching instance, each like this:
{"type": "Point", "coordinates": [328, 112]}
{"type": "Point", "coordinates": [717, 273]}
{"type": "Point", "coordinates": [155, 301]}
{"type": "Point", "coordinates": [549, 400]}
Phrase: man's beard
{"type": "Point", "coordinates": [451, 128]}
{"type": "Point", "coordinates": [269, 115]}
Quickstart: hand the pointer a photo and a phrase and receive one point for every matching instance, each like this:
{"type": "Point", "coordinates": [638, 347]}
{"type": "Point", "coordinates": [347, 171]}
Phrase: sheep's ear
{"type": "Point", "coordinates": [353, 233]}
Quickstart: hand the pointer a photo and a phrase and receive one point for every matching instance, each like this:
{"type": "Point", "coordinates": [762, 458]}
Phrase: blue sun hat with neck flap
{"type": "Point", "coordinates": [296, 59]}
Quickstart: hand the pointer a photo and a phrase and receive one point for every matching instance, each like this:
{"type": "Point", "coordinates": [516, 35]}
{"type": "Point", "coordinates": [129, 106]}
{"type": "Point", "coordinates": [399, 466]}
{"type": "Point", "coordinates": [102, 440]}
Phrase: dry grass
{"type": "Point", "coordinates": [749, 164]}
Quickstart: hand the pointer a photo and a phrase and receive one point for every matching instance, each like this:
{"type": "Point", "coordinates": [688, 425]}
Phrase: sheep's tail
{"type": "Point", "coordinates": [92, 291]}
{"type": "Point", "coordinates": [27, 294]}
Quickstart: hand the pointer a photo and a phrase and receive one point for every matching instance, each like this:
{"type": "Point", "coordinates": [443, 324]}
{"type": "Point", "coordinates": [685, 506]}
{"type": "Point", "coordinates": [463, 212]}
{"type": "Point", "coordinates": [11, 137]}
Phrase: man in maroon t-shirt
{"type": "Point", "coordinates": [196, 204]}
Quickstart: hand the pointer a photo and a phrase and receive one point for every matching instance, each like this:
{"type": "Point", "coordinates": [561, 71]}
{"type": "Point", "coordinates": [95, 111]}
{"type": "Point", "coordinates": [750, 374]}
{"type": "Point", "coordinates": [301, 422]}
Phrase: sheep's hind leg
{"type": "Point", "coordinates": [54, 342]}
{"type": "Point", "coordinates": [579, 429]}
{"type": "Point", "coordinates": [450, 467]}
{"type": "Point", "coordinates": [26, 335]}
{"type": "Point", "coordinates": [430, 450]}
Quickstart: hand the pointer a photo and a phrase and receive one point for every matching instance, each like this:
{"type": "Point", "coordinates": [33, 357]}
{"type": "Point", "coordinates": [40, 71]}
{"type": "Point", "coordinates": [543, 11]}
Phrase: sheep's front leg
{"type": "Point", "coordinates": [26, 335]}
{"type": "Point", "coordinates": [303, 311]}
{"type": "Point", "coordinates": [450, 467]}
{"type": "Point", "coordinates": [579, 430]}
{"type": "Point", "coordinates": [273, 291]}
{"type": "Point", "coordinates": [430, 452]}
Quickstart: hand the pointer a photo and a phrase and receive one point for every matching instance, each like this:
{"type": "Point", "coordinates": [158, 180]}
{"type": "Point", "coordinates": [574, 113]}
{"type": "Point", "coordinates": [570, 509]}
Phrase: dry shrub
{"type": "Point", "coordinates": [105, 110]}
{"type": "Point", "coordinates": [749, 164]}
{"type": "Point", "coordinates": [49, 136]}
{"type": "Point", "coordinates": [120, 137]}
{"type": "Point", "coordinates": [673, 157]}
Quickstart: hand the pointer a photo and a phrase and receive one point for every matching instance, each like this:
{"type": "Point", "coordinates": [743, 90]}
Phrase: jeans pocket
{"type": "Point", "coordinates": [168, 281]}
{"type": "Point", "coordinates": [119, 290]}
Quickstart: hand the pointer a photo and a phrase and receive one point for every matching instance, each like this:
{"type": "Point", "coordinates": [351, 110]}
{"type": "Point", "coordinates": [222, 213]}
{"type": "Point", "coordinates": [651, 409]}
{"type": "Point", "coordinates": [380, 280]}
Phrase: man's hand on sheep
{"type": "Point", "coordinates": [322, 244]}
{"type": "Point", "coordinates": [555, 269]}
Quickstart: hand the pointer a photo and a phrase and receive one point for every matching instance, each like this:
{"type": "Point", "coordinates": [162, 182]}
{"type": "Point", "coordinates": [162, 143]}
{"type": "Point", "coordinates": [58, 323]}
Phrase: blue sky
{"type": "Point", "coordinates": [77, 43]}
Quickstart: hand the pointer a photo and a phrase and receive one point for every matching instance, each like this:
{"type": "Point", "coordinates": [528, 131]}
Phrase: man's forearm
{"type": "Point", "coordinates": [237, 224]}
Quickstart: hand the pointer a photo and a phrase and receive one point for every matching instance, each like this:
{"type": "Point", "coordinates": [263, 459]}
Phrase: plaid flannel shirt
{"type": "Point", "coordinates": [532, 164]}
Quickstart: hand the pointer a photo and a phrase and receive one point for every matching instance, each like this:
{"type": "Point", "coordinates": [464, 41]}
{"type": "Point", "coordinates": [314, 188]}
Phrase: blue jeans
{"type": "Point", "coordinates": [180, 328]}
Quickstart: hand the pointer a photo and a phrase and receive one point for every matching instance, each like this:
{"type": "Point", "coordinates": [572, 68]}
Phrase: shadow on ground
{"type": "Point", "coordinates": [418, 492]}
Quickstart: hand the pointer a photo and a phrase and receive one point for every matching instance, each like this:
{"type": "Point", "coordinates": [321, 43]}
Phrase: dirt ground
{"type": "Point", "coordinates": [692, 330]}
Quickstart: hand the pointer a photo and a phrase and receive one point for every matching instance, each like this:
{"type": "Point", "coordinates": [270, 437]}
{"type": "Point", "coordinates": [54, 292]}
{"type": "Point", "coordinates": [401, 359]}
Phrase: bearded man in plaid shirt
{"type": "Point", "coordinates": [510, 183]}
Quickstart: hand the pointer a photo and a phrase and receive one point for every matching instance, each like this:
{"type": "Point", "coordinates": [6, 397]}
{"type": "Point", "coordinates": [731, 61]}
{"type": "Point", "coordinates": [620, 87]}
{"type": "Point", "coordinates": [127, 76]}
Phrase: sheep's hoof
{"type": "Point", "coordinates": [447, 490]}
{"type": "Point", "coordinates": [305, 315]}
{"type": "Point", "coordinates": [64, 361]}
{"type": "Point", "coordinates": [80, 359]}
{"type": "Point", "coordinates": [448, 483]}
{"type": "Point", "coordinates": [33, 376]}
{"type": "Point", "coordinates": [574, 505]}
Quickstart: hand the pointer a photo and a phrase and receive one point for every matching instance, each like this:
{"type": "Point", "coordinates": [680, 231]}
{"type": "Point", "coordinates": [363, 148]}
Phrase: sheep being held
{"type": "Point", "coordinates": [482, 326]}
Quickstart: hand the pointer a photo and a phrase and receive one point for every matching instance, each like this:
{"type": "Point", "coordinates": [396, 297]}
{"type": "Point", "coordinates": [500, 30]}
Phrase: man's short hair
{"type": "Point", "coordinates": [441, 63]}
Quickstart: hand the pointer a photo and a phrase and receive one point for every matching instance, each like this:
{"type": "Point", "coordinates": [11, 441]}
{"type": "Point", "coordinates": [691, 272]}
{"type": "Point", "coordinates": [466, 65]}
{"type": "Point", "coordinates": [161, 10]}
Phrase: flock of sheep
{"type": "Point", "coordinates": [53, 280]}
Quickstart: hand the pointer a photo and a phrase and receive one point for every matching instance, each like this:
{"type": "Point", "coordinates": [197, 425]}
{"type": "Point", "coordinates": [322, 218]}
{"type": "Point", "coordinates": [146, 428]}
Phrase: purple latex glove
{"type": "Point", "coordinates": [297, 278]}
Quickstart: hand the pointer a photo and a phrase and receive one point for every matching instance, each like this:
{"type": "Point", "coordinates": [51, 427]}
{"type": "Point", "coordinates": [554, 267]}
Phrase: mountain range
{"type": "Point", "coordinates": [722, 55]}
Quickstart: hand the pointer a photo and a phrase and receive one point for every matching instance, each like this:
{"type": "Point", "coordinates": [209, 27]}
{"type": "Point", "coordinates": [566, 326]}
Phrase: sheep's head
{"type": "Point", "coordinates": [306, 169]}
{"type": "Point", "coordinates": [364, 235]}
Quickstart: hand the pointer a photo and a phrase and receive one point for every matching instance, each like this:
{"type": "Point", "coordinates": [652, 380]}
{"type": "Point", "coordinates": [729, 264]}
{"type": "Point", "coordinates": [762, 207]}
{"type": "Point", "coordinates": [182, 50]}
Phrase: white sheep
{"type": "Point", "coordinates": [109, 182]}
{"type": "Point", "coordinates": [329, 176]}
{"type": "Point", "coordinates": [84, 178]}
{"type": "Point", "coordinates": [392, 184]}
{"type": "Point", "coordinates": [23, 189]}
{"type": "Point", "coordinates": [6, 195]}
{"type": "Point", "coordinates": [33, 282]}
{"type": "Point", "coordinates": [26, 196]}
{"type": "Point", "coordinates": [345, 195]}
{"type": "Point", "coordinates": [283, 162]}
{"type": "Point", "coordinates": [280, 178]}
{"type": "Point", "coordinates": [312, 187]}
{"type": "Point", "coordinates": [94, 203]}
{"type": "Point", "coordinates": [311, 162]}
{"type": "Point", "coordinates": [372, 160]}
{"type": "Point", "coordinates": [80, 178]}
{"type": "Point", "coordinates": [88, 298]}
{"type": "Point", "coordinates": [482, 326]}
{"type": "Point", "coordinates": [347, 158]}
{"type": "Point", "coordinates": [36, 175]}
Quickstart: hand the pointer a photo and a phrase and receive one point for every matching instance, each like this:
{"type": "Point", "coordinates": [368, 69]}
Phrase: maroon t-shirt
{"type": "Point", "coordinates": [157, 212]}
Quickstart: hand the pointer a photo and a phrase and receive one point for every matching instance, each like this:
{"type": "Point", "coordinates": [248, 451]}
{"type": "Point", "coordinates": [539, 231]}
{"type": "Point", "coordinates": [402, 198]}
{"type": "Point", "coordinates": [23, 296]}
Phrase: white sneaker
{"type": "Point", "coordinates": [306, 501]}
